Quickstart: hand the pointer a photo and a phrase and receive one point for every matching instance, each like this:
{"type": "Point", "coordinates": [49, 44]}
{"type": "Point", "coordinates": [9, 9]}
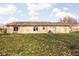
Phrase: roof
{"type": "Point", "coordinates": [35, 23]}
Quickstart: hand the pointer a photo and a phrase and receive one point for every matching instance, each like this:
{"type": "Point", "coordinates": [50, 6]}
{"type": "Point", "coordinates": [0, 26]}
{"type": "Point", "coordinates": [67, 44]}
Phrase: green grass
{"type": "Point", "coordinates": [39, 44]}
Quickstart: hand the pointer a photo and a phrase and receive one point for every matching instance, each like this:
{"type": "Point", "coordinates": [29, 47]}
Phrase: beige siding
{"type": "Point", "coordinates": [59, 29]}
{"type": "Point", "coordinates": [25, 29]}
{"type": "Point", "coordinates": [10, 29]}
{"type": "Point", "coordinates": [62, 29]}
{"type": "Point", "coordinates": [75, 28]}
{"type": "Point", "coordinates": [29, 29]}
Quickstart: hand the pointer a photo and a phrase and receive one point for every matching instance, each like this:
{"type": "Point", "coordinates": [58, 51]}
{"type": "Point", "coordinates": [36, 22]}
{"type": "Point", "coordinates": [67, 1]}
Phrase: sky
{"type": "Point", "coordinates": [10, 12]}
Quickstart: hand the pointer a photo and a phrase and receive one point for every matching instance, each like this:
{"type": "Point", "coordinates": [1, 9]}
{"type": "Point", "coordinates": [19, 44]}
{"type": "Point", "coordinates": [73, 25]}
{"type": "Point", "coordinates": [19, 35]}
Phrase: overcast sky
{"type": "Point", "coordinates": [37, 11]}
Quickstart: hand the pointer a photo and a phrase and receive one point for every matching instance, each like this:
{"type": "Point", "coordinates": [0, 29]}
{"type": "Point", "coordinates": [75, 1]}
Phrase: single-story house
{"type": "Point", "coordinates": [2, 30]}
{"type": "Point", "coordinates": [38, 27]}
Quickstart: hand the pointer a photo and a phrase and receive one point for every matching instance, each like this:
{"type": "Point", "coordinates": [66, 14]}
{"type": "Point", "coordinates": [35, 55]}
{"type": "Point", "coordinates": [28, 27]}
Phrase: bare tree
{"type": "Point", "coordinates": [68, 20]}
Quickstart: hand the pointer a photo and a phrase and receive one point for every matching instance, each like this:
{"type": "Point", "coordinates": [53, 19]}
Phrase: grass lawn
{"type": "Point", "coordinates": [39, 44]}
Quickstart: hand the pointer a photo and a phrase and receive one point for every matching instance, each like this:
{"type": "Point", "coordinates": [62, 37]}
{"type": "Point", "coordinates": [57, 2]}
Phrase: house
{"type": "Point", "coordinates": [38, 27]}
{"type": "Point", "coordinates": [1, 30]}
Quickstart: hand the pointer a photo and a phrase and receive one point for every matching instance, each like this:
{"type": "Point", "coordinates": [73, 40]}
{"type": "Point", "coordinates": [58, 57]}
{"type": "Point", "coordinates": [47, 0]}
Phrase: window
{"type": "Point", "coordinates": [43, 28]}
{"type": "Point", "coordinates": [15, 28]}
{"type": "Point", "coordinates": [35, 28]}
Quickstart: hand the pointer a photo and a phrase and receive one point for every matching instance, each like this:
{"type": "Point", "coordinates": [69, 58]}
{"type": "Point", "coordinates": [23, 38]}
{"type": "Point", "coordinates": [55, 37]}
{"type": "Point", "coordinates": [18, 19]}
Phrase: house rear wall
{"type": "Point", "coordinates": [29, 29]}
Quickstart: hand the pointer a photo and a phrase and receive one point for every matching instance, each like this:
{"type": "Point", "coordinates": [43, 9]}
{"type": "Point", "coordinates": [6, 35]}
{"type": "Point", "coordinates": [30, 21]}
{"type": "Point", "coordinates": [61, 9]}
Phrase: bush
{"type": "Point", "coordinates": [50, 31]}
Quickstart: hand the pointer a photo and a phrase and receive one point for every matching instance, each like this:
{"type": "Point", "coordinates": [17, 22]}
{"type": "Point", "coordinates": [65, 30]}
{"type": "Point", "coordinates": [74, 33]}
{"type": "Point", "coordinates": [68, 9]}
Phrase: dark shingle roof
{"type": "Point", "coordinates": [35, 23]}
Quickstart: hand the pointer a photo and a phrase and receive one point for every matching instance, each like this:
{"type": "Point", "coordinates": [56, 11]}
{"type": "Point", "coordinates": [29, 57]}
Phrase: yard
{"type": "Point", "coordinates": [39, 44]}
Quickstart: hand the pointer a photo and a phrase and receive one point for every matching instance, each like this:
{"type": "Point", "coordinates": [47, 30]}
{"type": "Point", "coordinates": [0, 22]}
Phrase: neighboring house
{"type": "Point", "coordinates": [2, 30]}
{"type": "Point", "coordinates": [38, 27]}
